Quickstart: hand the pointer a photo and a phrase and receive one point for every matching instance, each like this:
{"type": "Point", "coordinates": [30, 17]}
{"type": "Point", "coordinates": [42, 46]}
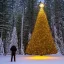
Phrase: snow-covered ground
{"type": "Point", "coordinates": [28, 59]}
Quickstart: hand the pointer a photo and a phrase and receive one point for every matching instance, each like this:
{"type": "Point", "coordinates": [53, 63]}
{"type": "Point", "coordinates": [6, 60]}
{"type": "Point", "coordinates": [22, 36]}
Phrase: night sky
{"type": "Point", "coordinates": [41, 0]}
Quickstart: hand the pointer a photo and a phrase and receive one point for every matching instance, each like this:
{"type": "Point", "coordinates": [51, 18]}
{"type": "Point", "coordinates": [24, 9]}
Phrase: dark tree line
{"type": "Point", "coordinates": [55, 14]}
{"type": "Point", "coordinates": [11, 15]}
{"type": "Point", "coordinates": [29, 20]}
{"type": "Point", "coordinates": [4, 22]}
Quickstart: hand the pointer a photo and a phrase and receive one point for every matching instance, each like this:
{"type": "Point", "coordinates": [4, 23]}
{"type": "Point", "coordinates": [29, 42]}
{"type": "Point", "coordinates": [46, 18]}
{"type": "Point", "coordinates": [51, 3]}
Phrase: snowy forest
{"type": "Point", "coordinates": [18, 18]}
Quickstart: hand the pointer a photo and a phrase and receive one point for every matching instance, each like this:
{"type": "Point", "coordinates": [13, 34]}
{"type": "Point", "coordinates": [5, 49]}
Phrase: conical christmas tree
{"type": "Point", "coordinates": [41, 41]}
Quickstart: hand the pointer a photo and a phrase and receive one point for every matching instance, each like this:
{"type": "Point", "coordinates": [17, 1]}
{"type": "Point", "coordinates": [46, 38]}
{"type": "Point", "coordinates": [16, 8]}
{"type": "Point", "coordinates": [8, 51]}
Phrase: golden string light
{"type": "Point", "coordinates": [41, 41]}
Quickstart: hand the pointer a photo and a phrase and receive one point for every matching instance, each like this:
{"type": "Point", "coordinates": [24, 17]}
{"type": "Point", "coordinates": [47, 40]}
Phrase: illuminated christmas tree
{"type": "Point", "coordinates": [41, 41]}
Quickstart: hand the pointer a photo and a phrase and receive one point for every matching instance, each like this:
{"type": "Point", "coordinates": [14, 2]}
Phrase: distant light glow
{"type": "Point", "coordinates": [41, 5]}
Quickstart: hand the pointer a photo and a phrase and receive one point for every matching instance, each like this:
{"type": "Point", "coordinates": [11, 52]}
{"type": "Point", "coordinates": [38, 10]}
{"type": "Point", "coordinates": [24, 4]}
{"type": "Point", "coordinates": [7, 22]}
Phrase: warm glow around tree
{"type": "Point", "coordinates": [41, 41]}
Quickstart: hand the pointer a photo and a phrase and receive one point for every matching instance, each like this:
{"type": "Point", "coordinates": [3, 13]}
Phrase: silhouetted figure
{"type": "Point", "coordinates": [13, 52]}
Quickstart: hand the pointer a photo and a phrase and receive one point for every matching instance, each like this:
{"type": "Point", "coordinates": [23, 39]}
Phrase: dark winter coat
{"type": "Point", "coordinates": [13, 49]}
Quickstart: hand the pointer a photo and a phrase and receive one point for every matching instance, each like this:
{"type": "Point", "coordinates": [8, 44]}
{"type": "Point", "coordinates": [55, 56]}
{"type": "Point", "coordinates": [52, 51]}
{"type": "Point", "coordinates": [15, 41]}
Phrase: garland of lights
{"type": "Point", "coordinates": [41, 41]}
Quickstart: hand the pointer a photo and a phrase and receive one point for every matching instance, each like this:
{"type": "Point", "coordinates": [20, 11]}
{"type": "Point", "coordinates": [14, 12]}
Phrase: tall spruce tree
{"type": "Point", "coordinates": [41, 41]}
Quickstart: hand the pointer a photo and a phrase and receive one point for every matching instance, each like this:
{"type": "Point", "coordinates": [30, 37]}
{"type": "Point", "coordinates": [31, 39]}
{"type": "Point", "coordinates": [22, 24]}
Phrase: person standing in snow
{"type": "Point", "coordinates": [13, 53]}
